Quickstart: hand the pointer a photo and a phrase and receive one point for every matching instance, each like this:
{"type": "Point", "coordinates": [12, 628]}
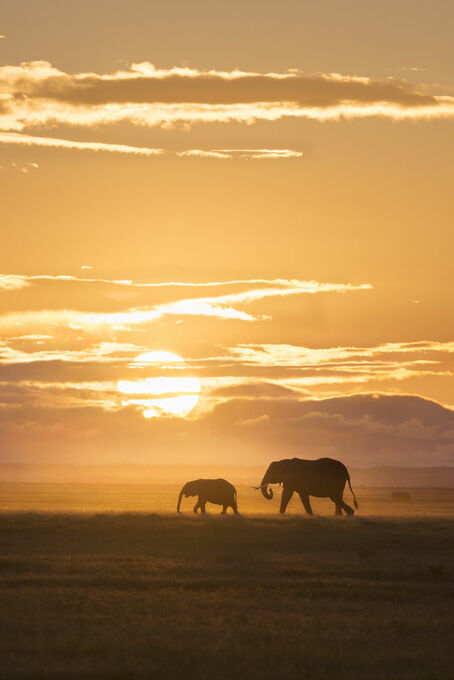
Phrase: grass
{"type": "Point", "coordinates": [69, 497]}
{"type": "Point", "coordinates": [140, 595]}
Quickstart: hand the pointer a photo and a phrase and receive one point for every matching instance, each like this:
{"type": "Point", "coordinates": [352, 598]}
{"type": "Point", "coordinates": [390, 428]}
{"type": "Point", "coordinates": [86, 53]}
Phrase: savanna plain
{"type": "Point", "coordinates": [107, 581]}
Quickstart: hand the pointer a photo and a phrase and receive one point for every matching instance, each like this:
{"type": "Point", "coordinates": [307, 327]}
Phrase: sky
{"type": "Point", "coordinates": [226, 232]}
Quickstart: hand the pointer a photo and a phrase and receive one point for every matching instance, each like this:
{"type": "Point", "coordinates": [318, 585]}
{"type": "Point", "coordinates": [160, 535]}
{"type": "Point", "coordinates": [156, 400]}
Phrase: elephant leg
{"type": "Point", "coordinates": [347, 508]}
{"type": "Point", "coordinates": [306, 502]}
{"type": "Point", "coordinates": [234, 508]}
{"type": "Point", "coordinates": [196, 507]}
{"type": "Point", "coordinates": [338, 503]}
{"type": "Point", "coordinates": [202, 507]}
{"type": "Point", "coordinates": [224, 510]}
{"type": "Point", "coordinates": [285, 498]}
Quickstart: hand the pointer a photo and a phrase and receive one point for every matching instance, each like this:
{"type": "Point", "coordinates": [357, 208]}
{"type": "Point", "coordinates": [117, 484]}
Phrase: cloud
{"type": "Point", "coordinates": [362, 430]}
{"type": "Point", "coordinates": [122, 320]}
{"type": "Point", "coordinates": [225, 154]}
{"type": "Point", "coordinates": [299, 368]}
{"type": "Point", "coordinates": [61, 357]}
{"type": "Point", "coordinates": [29, 140]}
{"type": "Point", "coordinates": [145, 84]}
{"type": "Point", "coordinates": [25, 167]}
{"type": "Point", "coordinates": [223, 306]}
{"type": "Point", "coordinates": [408, 68]}
{"type": "Point", "coordinates": [281, 371]}
{"type": "Point", "coordinates": [229, 154]}
{"type": "Point", "coordinates": [255, 390]}
{"type": "Point", "coordinates": [105, 351]}
{"type": "Point", "coordinates": [295, 355]}
{"type": "Point", "coordinates": [38, 94]}
{"type": "Point", "coordinates": [69, 363]}
{"type": "Point", "coordinates": [13, 282]}
{"type": "Point", "coordinates": [254, 422]}
{"type": "Point", "coordinates": [24, 280]}
{"type": "Point", "coordinates": [33, 396]}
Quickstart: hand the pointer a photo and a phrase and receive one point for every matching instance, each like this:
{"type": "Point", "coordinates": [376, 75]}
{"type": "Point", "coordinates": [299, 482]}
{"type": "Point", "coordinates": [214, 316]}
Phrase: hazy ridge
{"type": "Point", "coordinates": [441, 477]}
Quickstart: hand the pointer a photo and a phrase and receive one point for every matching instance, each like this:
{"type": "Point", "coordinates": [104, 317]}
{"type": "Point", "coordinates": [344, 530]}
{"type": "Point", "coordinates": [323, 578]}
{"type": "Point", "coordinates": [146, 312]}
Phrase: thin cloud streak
{"type": "Point", "coordinates": [30, 140]}
{"type": "Point", "coordinates": [220, 307]}
{"type": "Point", "coordinates": [18, 281]}
{"type": "Point", "coordinates": [102, 352]}
{"type": "Point", "coordinates": [292, 355]}
{"type": "Point", "coordinates": [230, 154]}
{"type": "Point", "coordinates": [66, 144]}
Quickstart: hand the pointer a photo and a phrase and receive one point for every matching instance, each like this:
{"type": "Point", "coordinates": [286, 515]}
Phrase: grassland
{"type": "Point", "coordinates": [90, 593]}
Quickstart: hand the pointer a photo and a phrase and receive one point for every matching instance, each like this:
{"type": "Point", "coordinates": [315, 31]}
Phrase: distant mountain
{"type": "Point", "coordinates": [176, 474]}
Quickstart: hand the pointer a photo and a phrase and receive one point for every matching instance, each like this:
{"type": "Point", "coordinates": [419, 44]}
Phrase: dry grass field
{"type": "Point", "coordinates": [71, 497]}
{"type": "Point", "coordinates": [108, 582]}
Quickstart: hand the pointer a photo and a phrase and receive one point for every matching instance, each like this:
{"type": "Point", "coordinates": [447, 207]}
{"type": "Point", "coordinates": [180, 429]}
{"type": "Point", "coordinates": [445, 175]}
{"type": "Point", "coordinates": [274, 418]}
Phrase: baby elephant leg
{"type": "Point", "coordinates": [224, 509]}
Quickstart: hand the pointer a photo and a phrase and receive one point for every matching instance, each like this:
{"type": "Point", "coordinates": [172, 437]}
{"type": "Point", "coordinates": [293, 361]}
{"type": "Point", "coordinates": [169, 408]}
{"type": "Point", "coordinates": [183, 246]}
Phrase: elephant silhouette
{"type": "Point", "coordinates": [325, 478]}
{"type": "Point", "coordinates": [217, 491]}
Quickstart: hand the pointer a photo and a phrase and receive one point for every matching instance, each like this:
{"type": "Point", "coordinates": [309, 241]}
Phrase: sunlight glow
{"type": "Point", "coordinates": [172, 396]}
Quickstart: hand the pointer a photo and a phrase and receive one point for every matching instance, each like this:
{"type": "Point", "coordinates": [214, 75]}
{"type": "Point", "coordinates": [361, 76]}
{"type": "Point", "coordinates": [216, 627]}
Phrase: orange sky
{"type": "Point", "coordinates": [263, 191]}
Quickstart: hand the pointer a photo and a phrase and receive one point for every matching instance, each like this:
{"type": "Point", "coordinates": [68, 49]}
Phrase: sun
{"type": "Point", "coordinates": [165, 395]}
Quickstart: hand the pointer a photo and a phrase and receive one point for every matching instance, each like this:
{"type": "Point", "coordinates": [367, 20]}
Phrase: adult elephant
{"type": "Point", "coordinates": [324, 477]}
{"type": "Point", "coordinates": [217, 491]}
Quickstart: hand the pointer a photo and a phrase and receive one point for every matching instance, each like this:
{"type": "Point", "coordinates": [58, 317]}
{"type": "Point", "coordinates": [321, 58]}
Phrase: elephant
{"type": "Point", "coordinates": [324, 478]}
{"type": "Point", "coordinates": [217, 491]}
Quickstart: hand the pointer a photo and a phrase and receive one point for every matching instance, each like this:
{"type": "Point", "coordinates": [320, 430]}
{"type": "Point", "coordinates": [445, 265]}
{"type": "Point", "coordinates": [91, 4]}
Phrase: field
{"type": "Point", "coordinates": [108, 582]}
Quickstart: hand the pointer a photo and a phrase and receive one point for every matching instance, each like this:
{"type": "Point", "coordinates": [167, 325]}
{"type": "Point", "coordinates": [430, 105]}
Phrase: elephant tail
{"type": "Point", "coordinates": [355, 502]}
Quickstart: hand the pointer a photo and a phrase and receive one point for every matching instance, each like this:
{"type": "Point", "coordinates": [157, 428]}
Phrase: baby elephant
{"type": "Point", "coordinates": [217, 491]}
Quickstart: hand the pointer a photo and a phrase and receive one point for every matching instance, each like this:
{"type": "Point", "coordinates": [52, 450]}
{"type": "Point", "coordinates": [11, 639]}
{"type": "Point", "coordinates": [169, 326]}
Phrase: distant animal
{"type": "Point", "coordinates": [401, 496]}
{"type": "Point", "coordinates": [217, 491]}
{"type": "Point", "coordinates": [324, 477]}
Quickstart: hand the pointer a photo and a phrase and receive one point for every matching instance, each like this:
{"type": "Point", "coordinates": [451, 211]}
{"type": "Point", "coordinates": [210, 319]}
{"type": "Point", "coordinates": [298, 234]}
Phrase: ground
{"type": "Point", "coordinates": [115, 594]}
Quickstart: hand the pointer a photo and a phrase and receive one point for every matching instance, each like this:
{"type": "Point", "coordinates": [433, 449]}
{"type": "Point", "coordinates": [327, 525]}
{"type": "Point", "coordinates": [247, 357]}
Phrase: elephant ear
{"type": "Point", "coordinates": [286, 472]}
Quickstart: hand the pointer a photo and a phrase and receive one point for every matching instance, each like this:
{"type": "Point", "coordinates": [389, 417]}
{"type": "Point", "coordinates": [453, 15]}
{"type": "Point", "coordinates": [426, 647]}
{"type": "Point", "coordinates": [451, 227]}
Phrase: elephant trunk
{"type": "Point", "coordinates": [179, 499]}
{"type": "Point", "coordinates": [267, 493]}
